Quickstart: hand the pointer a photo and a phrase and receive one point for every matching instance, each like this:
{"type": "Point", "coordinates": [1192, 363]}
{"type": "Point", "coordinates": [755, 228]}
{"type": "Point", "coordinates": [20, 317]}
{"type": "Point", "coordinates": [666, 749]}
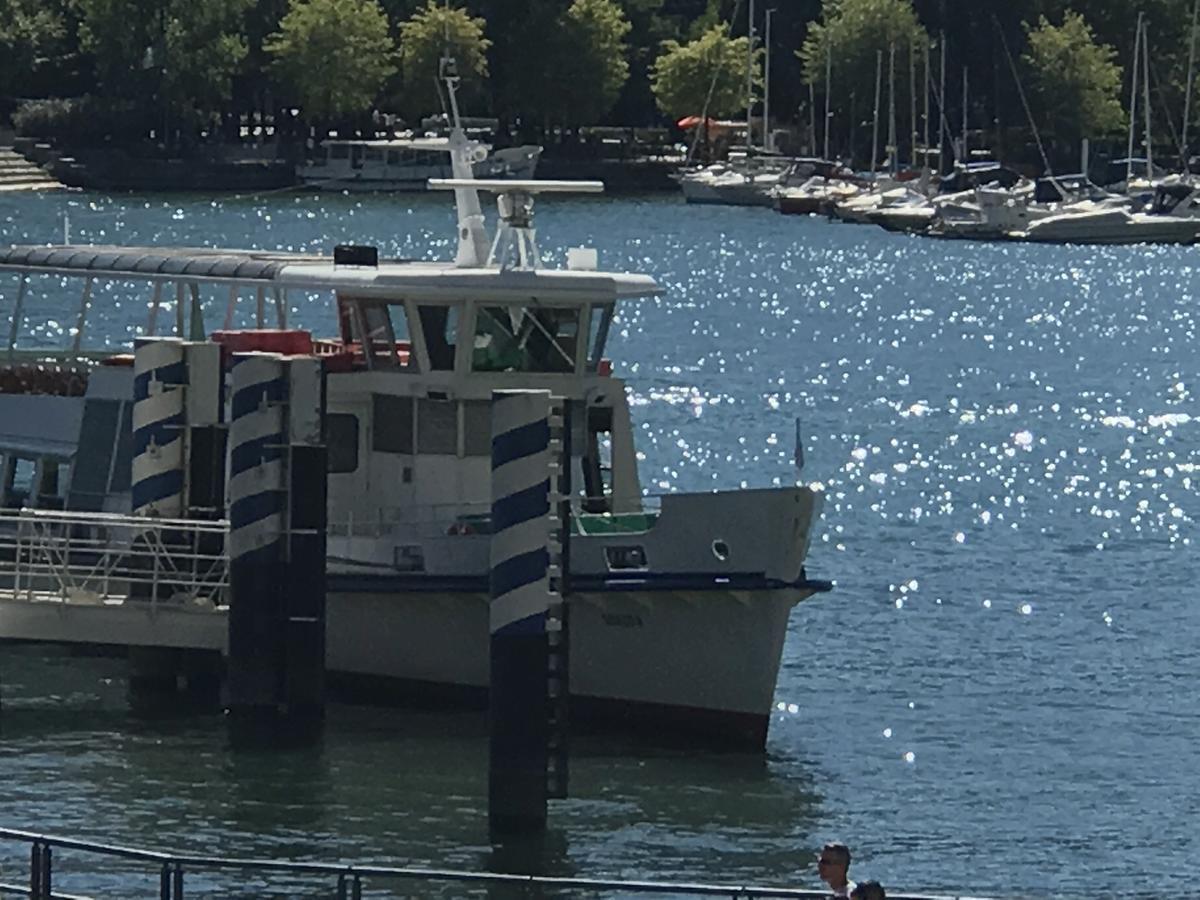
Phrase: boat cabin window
{"type": "Point", "coordinates": [381, 329]}
{"type": "Point", "coordinates": [597, 460]}
{"type": "Point", "coordinates": [373, 154]}
{"type": "Point", "coordinates": [341, 439]}
{"type": "Point", "coordinates": [19, 473]}
{"type": "Point", "coordinates": [525, 339]}
{"type": "Point", "coordinates": [339, 151]}
{"type": "Point", "coordinates": [601, 321]}
{"type": "Point", "coordinates": [439, 327]}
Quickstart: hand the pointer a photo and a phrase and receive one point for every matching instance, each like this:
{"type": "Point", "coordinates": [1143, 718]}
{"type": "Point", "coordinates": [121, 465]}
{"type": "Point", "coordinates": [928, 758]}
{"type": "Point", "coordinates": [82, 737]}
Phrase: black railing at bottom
{"type": "Point", "coordinates": [349, 880]}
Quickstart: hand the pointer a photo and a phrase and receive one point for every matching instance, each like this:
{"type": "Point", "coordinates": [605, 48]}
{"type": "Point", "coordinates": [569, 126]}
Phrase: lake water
{"type": "Point", "coordinates": [1000, 696]}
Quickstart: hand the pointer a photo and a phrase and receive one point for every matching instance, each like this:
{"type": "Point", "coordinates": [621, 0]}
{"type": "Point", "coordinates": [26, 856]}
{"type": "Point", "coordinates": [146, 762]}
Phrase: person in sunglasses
{"type": "Point", "coordinates": [833, 865]}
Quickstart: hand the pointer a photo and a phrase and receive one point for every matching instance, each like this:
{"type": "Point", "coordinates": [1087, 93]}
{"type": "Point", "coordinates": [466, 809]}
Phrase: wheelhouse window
{"type": "Point", "coordinates": [382, 331]}
{"type": "Point", "coordinates": [525, 339]}
{"type": "Point", "coordinates": [600, 321]}
{"type": "Point", "coordinates": [439, 326]}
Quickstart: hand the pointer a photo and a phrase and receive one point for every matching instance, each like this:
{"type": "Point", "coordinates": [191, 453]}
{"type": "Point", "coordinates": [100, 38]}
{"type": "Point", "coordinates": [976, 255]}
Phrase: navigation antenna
{"type": "Point", "coordinates": [515, 245]}
{"type": "Point", "coordinates": [464, 153]}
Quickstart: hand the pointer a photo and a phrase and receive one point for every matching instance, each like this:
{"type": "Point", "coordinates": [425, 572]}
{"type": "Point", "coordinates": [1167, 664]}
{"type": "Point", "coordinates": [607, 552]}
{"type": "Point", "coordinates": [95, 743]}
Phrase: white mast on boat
{"type": "Point", "coordinates": [1187, 96]}
{"type": "Point", "coordinates": [943, 120]}
{"type": "Point", "coordinates": [912, 101]}
{"type": "Point", "coordinates": [767, 142]}
{"type": "Point", "coordinates": [966, 152]}
{"type": "Point", "coordinates": [928, 80]}
{"type": "Point", "coordinates": [875, 118]}
{"type": "Point", "coordinates": [828, 90]}
{"type": "Point", "coordinates": [749, 76]}
{"type": "Point", "coordinates": [1146, 98]}
{"type": "Point", "coordinates": [892, 154]}
{"type": "Point", "coordinates": [473, 243]}
{"type": "Point", "coordinates": [1133, 94]}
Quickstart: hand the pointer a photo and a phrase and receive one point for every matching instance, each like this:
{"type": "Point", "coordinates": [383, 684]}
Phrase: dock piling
{"type": "Point", "coordinates": [519, 708]}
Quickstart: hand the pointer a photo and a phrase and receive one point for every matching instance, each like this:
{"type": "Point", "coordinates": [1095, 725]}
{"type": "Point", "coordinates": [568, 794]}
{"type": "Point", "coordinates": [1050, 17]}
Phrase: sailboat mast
{"type": "Point", "coordinates": [892, 161]}
{"type": "Point", "coordinates": [1187, 97]}
{"type": "Point", "coordinates": [1146, 97]}
{"type": "Point", "coordinates": [828, 91]}
{"type": "Point", "coordinates": [966, 152]}
{"type": "Point", "coordinates": [749, 76]}
{"type": "Point", "coordinates": [912, 102]}
{"type": "Point", "coordinates": [1133, 95]}
{"type": "Point", "coordinates": [927, 85]}
{"type": "Point", "coordinates": [943, 122]}
{"type": "Point", "coordinates": [767, 86]}
{"type": "Point", "coordinates": [875, 117]}
{"type": "Point", "coordinates": [812, 117]}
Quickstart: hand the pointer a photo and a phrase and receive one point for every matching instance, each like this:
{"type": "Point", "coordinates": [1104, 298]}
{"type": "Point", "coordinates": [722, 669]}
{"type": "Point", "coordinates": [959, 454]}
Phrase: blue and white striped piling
{"type": "Point", "coordinates": [522, 522]}
{"type": "Point", "coordinates": [257, 502]}
{"type": "Point", "coordinates": [277, 541]}
{"type": "Point", "coordinates": [160, 377]}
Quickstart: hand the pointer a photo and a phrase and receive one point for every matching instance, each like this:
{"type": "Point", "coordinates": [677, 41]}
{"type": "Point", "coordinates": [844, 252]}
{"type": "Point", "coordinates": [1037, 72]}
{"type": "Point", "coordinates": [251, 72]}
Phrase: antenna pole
{"type": "Point", "coordinates": [892, 154]}
{"type": "Point", "coordinates": [749, 76]}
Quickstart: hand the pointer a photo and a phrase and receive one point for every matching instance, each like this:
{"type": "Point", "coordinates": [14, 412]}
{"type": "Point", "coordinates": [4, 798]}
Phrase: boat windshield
{"type": "Point", "coordinates": [525, 339]}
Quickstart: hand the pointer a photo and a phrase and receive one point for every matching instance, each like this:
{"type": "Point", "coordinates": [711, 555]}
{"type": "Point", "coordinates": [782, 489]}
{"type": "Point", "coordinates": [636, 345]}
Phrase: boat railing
{"type": "Point", "coordinates": [97, 558]}
{"type": "Point", "coordinates": [49, 857]}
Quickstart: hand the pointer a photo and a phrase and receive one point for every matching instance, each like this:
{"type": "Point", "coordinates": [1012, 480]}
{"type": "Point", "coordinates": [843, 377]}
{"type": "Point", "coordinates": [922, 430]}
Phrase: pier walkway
{"type": "Point", "coordinates": [103, 579]}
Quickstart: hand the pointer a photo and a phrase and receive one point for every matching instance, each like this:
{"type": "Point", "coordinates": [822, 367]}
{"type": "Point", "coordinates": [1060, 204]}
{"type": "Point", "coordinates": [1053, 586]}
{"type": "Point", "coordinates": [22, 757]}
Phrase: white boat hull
{"type": "Point", "coordinates": [656, 657]}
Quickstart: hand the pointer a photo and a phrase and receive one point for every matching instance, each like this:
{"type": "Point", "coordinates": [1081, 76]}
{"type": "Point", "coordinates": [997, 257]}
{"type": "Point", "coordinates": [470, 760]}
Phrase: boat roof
{"type": "Point", "coordinates": [390, 278]}
{"type": "Point", "coordinates": [404, 143]}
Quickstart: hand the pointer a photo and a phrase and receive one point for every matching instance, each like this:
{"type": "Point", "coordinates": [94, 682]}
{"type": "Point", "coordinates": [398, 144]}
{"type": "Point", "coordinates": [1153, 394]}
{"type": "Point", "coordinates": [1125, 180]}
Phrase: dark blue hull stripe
{"type": "Point", "coordinates": [405, 582]}
{"type": "Point", "coordinates": [164, 432]}
{"type": "Point", "coordinates": [255, 452]}
{"type": "Point", "coordinates": [173, 373]}
{"type": "Point", "coordinates": [250, 397]}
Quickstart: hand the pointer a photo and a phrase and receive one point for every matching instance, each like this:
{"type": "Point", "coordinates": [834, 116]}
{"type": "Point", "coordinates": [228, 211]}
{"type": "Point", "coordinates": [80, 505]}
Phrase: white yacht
{"type": "Point", "coordinates": [1174, 218]}
{"type": "Point", "coordinates": [406, 164]}
{"type": "Point", "coordinates": [742, 181]}
{"type": "Point", "coordinates": [679, 605]}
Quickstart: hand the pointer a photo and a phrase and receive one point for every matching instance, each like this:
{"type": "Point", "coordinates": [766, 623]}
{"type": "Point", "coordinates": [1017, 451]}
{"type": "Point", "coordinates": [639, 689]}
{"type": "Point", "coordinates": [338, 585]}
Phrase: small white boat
{"type": "Point", "coordinates": [741, 181]}
{"type": "Point", "coordinates": [406, 164]}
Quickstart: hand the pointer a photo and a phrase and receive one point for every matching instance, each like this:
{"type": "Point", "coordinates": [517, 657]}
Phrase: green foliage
{"type": "Point", "coordinates": [29, 31]}
{"type": "Point", "coordinates": [81, 121]}
{"type": "Point", "coordinates": [1076, 83]}
{"type": "Point", "coordinates": [432, 32]}
{"type": "Point", "coordinates": [334, 56]}
{"type": "Point", "coordinates": [684, 74]}
{"type": "Point", "coordinates": [591, 62]}
{"type": "Point", "coordinates": [184, 52]}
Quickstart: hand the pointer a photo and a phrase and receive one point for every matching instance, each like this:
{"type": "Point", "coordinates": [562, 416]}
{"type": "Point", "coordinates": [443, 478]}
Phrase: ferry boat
{"type": "Point", "coordinates": [406, 164]}
{"type": "Point", "coordinates": [679, 605]}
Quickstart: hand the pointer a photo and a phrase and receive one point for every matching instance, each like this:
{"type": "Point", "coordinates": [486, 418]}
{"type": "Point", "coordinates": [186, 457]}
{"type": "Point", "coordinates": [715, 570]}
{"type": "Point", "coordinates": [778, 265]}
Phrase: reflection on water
{"type": "Point", "coordinates": [998, 697]}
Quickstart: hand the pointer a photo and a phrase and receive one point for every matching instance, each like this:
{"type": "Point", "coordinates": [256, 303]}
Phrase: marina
{"type": "Point", "coordinates": [1047, 671]}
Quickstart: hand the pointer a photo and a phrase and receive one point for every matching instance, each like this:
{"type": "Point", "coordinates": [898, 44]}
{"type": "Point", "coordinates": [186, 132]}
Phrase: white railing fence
{"type": "Point", "coordinates": [96, 558]}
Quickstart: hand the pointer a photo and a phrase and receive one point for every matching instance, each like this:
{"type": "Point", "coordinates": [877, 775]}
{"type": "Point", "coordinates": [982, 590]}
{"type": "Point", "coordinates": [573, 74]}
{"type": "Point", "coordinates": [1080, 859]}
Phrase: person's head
{"type": "Point", "coordinates": [868, 890]}
{"type": "Point", "coordinates": [833, 864]}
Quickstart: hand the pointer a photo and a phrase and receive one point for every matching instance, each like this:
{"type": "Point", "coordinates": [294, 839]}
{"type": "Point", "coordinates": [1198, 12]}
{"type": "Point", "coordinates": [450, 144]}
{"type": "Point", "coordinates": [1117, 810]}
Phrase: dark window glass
{"type": "Point", "coordinates": [440, 327]}
{"type": "Point", "coordinates": [341, 436]}
{"type": "Point", "coordinates": [392, 418]}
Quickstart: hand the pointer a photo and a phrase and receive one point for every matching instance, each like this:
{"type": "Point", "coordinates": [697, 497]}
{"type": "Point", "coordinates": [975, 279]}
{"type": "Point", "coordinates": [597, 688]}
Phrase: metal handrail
{"type": "Point", "coordinates": [350, 877]}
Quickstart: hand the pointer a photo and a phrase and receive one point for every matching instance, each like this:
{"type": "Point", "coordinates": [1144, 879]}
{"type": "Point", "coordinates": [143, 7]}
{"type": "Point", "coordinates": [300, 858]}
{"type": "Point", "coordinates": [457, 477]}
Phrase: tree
{"type": "Point", "coordinates": [590, 63]}
{"type": "Point", "coordinates": [29, 31]}
{"type": "Point", "coordinates": [706, 76]}
{"type": "Point", "coordinates": [1075, 82]}
{"type": "Point", "coordinates": [334, 56]}
{"type": "Point", "coordinates": [852, 33]}
{"type": "Point", "coordinates": [432, 32]}
{"type": "Point", "coordinates": [184, 52]}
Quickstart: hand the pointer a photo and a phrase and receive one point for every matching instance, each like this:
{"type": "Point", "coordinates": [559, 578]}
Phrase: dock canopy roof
{"type": "Point", "coordinates": [151, 262]}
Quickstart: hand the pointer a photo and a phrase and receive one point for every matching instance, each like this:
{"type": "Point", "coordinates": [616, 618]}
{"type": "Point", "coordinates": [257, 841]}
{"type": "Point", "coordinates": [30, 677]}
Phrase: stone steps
{"type": "Point", "coordinates": [19, 174]}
